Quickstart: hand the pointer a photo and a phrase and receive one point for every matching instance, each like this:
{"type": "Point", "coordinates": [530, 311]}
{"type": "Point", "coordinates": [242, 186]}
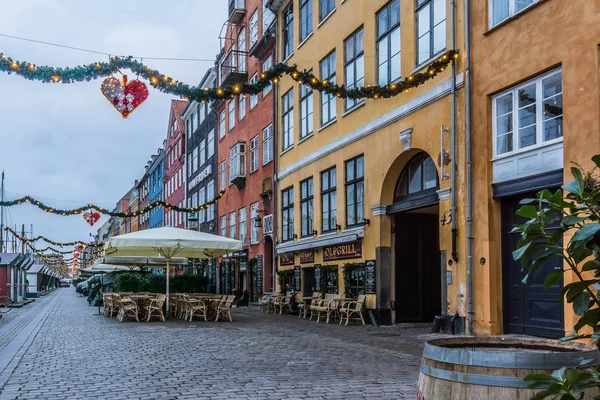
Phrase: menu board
{"type": "Point", "coordinates": [370, 277]}
{"type": "Point", "coordinates": [297, 278]}
{"type": "Point", "coordinates": [259, 271]}
{"type": "Point", "coordinates": [317, 277]}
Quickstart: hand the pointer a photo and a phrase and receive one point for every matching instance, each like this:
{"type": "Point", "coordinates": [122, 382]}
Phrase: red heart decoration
{"type": "Point", "coordinates": [125, 97]}
{"type": "Point", "coordinates": [91, 217]}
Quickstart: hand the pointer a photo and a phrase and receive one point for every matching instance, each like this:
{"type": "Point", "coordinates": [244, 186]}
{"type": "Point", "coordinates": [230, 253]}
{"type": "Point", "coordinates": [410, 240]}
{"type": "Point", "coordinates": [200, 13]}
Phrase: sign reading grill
{"type": "Point", "coordinates": [341, 251]}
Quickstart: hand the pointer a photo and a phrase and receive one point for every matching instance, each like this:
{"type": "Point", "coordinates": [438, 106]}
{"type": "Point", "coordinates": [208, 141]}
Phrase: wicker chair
{"type": "Point", "coordinates": [155, 308]}
{"type": "Point", "coordinates": [303, 307]}
{"type": "Point", "coordinates": [224, 308]}
{"type": "Point", "coordinates": [196, 308]}
{"type": "Point", "coordinates": [353, 308]}
{"type": "Point", "coordinates": [128, 308]}
{"type": "Point", "coordinates": [287, 303]}
{"type": "Point", "coordinates": [278, 303]}
{"type": "Point", "coordinates": [107, 301]}
{"type": "Point", "coordinates": [266, 304]}
{"type": "Point", "coordinates": [332, 308]}
{"type": "Point", "coordinates": [319, 306]}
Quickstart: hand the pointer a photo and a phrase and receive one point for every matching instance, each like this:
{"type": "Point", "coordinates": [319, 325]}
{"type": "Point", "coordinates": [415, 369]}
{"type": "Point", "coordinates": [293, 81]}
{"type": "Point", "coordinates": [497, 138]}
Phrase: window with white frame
{"type": "Point", "coordinates": [195, 159]}
{"type": "Point", "coordinates": [243, 231]}
{"type": "Point", "coordinates": [232, 225]}
{"type": "Point", "coordinates": [242, 109]}
{"type": "Point", "coordinates": [202, 152]}
{"type": "Point", "coordinates": [388, 43]}
{"type": "Point", "coordinates": [287, 214]}
{"type": "Point", "coordinates": [194, 122]}
{"type": "Point", "coordinates": [268, 144]}
{"type": "Point", "coordinates": [253, 97]}
{"type": "Point", "coordinates": [222, 129]}
{"type": "Point", "coordinates": [189, 165]}
{"type": "Point", "coordinates": [328, 106]}
{"type": "Point", "coordinates": [223, 225]}
{"type": "Point", "coordinates": [188, 129]}
{"type": "Point", "coordinates": [253, 28]}
{"type": "Point", "coordinates": [306, 112]}
{"type": "Point", "coordinates": [210, 194]}
{"type": "Point", "coordinates": [287, 116]}
{"type": "Point", "coordinates": [254, 153]}
{"type": "Point", "coordinates": [288, 31]}
{"type": "Point", "coordinates": [202, 200]}
{"type": "Point", "coordinates": [306, 16]}
{"type": "Point", "coordinates": [431, 29]}
{"type": "Point", "coordinates": [326, 7]}
{"type": "Point", "coordinates": [223, 175]}
{"type": "Point", "coordinates": [241, 45]}
{"type": "Point", "coordinates": [210, 146]}
{"type": "Point", "coordinates": [528, 115]}
{"type": "Point", "coordinates": [268, 16]}
{"type": "Point", "coordinates": [231, 109]}
{"type": "Point", "coordinates": [201, 113]}
{"type": "Point", "coordinates": [254, 237]}
{"type": "Point", "coordinates": [354, 64]}
{"type": "Point", "coordinates": [500, 10]}
{"type": "Point", "coordinates": [237, 161]}
{"type": "Point", "coordinates": [267, 65]}
{"type": "Point", "coordinates": [307, 212]}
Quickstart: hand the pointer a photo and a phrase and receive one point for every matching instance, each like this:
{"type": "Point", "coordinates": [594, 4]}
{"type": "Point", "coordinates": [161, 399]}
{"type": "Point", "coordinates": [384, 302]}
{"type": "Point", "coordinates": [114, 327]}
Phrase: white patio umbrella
{"type": "Point", "coordinates": [170, 242]}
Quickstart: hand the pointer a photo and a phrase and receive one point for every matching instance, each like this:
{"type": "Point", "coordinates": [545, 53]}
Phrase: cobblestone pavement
{"type": "Point", "coordinates": [56, 348]}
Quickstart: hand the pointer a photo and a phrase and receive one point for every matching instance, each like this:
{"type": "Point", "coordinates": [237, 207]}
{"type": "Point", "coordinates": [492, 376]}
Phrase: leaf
{"type": "Point", "coordinates": [552, 278]}
{"type": "Point", "coordinates": [571, 187]}
{"type": "Point", "coordinates": [559, 373]}
{"type": "Point", "coordinates": [542, 394]}
{"type": "Point", "coordinates": [527, 201]}
{"type": "Point", "coordinates": [596, 160]}
{"type": "Point", "coordinates": [527, 212]}
{"type": "Point", "coordinates": [585, 234]}
{"type": "Point", "coordinates": [581, 303]}
{"type": "Point", "coordinates": [571, 220]}
{"type": "Point", "coordinates": [517, 254]}
{"type": "Point", "coordinates": [578, 175]}
{"type": "Point", "coordinates": [591, 265]}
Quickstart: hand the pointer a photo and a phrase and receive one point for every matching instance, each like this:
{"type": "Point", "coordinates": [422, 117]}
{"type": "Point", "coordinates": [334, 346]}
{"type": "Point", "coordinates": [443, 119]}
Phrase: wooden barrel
{"type": "Point", "coordinates": [494, 367]}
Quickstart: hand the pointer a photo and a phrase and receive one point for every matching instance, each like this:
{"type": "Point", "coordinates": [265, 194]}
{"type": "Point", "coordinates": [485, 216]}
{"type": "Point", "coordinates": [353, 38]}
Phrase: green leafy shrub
{"type": "Point", "coordinates": [129, 282]}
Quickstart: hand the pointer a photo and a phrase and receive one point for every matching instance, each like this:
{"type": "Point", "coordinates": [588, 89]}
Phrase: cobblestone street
{"type": "Point", "coordinates": [56, 348]}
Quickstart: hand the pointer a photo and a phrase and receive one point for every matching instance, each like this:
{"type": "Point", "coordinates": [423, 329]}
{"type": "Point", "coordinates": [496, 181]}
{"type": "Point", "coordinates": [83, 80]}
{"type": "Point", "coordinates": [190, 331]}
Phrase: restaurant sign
{"type": "Point", "coordinates": [341, 251]}
{"type": "Point", "coordinates": [286, 258]}
{"type": "Point", "coordinates": [307, 256]}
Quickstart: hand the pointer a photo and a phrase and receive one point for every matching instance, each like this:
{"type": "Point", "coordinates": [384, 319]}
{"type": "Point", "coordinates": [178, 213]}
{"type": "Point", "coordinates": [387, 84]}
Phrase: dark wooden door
{"type": "Point", "coordinates": [308, 280]}
{"type": "Point", "coordinates": [528, 308]}
{"type": "Point", "coordinates": [418, 279]}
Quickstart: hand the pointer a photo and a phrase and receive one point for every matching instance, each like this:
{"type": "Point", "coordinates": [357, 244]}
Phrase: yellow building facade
{"type": "Point", "coordinates": [364, 197]}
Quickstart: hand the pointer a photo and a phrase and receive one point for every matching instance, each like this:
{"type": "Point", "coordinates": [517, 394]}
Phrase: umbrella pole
{"type": "Point", "coordinates": [168, 271]}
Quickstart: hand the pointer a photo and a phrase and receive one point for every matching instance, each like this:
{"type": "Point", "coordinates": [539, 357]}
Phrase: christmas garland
{"type": "Point", "coordinates": [169, 85]}
{"type": "Point", "coordinates": [45, 239]}
{"type": "Point", "coordinates": [80, 210]}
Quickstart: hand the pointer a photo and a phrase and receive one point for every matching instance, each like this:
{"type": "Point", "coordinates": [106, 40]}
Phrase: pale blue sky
{"type": "Point", "coordinates": [65, 144]}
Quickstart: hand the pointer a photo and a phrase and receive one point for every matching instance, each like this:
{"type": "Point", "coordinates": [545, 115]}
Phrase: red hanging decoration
{"type": "Point", "coordinates": [91, 217]}
{"type": "Point", "coordinates": [124, 96]}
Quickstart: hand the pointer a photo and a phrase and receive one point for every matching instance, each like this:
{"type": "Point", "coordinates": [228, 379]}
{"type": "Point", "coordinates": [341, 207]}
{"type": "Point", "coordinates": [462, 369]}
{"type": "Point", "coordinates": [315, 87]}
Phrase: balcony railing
{"type": "Point", "coordinates": [233, 68]}
{"type": "Point", "coordinates": [237, 9]}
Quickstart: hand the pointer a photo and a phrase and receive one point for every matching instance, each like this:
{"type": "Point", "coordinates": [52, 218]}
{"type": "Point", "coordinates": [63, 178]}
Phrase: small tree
{"type": "Point", "coordinates": [575, 209]}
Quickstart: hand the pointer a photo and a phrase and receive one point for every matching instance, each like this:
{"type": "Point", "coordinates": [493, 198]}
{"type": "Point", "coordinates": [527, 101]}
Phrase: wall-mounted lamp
{"type": "Point", "coordinates": [338, 227]}
{"type": "Point", "coordinates": [366, 221]}
{"type": "Point", "coordinates": [295, 236]}
{"type": "Point", "coordinates": [315, 232]}
{"type": "Point", "coordinates": [258, 220]}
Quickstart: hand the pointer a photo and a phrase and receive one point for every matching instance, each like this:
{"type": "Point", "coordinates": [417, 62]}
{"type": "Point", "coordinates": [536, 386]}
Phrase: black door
{"type": "Point", "coordinates": [308, 280]}
{"type": "Point", "coordinates": [418, 280]}
{"type": "Point", "coordinates": [528, 308]}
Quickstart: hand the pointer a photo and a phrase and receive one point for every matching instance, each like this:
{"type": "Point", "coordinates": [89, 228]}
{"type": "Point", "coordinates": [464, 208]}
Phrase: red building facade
{"type": "Point", "coordinates": [174, 178]}
{"type": "Point", "coordinates": [245, 150]}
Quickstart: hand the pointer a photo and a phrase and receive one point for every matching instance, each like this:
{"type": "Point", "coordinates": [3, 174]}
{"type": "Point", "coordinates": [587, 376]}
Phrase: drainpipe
{"type": "Point", "coordinates": [469, 218]}
{"type": "Point", "coordinates": [453, 134]}
{"type": "Point", "coordinates": [275, 93]}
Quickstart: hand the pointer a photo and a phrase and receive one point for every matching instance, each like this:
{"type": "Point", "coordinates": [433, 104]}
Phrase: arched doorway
{"type": "Point", "coordinates": [415, 228]}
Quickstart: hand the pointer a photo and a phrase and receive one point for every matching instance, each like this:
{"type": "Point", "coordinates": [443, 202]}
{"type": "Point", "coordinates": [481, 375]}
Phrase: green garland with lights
{"type": "Point", "coordinates": [45, 239]}
{"type": "Point", "coordinates": [169, 85]}
{"type": "Point", "coordinates": [102, 210]}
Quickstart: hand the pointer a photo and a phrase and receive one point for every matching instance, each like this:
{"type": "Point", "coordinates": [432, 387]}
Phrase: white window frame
{"type": "Point", "coordinates": [254, 154]}
{"type": "Point", "coordinates": [328, 101]}
{"type": "Point", "coordinates": [222, 128]}
{"type": "Point", "coordinates": [267, 65]}
{"type": "Point", "coordinates": [210, 145]}
{"type": "Point", "coordinates": [232, 225]}
{"type": "Point", "coordinates": [268, 16]}
{"type": "Point", "coordinates": [253, 23]}
{"type": "Point", "coordinates": [210, 194]}
{"type": "Point", "coordinates": [237, 161]}
{"type": "Point", "coordinates": [511, 11]}
{"type": "Point", "coordinates": [202, 200]}
{"type": "Point", "coordinates": [231, 114]}
{"type": "Point", "coordinates": [254, 236]}
{"type": "Point", "coordinates": [189, 166]}
{"type": "Point", "coordinates": [242, 107]}
{"type": "Point", "coordinates": [253, 97]}
{"type": "Point", "coordinates": [243, 230]}
{"type": "Point", "coordinates": [195, 159]}
{"type": "Point", "coordinates": [223, 175]}
{"type": "Point", "coordinates": [433, 52]}
{"type": "Point", "coordinates": [539, 132]}
{"type": "Point", "coordinates": [287, 120]}
{"type": "Point", "coordinates": [268, 144]}
{"type": "Point", "coordinates": [223, 225]}
{"type": "Point", "coordinates": [202, 156]}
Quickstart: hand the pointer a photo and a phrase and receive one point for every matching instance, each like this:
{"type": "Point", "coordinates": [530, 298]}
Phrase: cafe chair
{"type": "Point", "coordinates": [155, 308]}
{"type": "Point", "coordinates": [353, 310]}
